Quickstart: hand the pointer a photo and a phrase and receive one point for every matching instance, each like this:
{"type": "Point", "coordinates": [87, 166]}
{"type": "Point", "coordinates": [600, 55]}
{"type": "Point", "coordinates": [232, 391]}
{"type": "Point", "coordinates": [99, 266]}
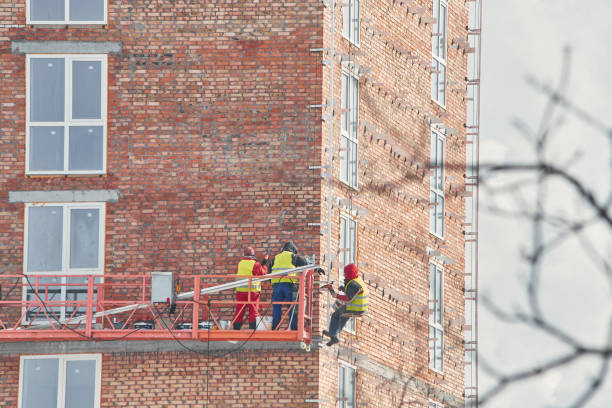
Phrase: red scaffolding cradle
{"type": "Point", "coordinates": [47, 307]}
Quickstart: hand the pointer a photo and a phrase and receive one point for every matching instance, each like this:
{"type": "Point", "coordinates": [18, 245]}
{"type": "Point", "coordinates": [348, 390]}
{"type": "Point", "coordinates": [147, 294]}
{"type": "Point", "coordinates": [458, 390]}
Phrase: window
{"type": "Point", "coordinates": [346, 386]}
{"type": "Point", "coordinates": [348, 254]}
{"type": "Point", "coordinates": [68, 381]}
{"type": "Point", "coordinates": [350, 126]}
{"type": "Point", "coordinates": [350, 21]}
{"type": "Point", "coordinates": [438, 45]}
{"type": "Point", "coordinates": [348, 240]}
{"type": "Point", "coordinates": [62, 239]}
{"type": "Point", "coordinates": [436, 322]}
{"type": "Point", "coordinates": [66, 114]}
{"type": "Point", "coordinates": [66, 11]}
{"type": "Point", "coordinates": [436, 184]}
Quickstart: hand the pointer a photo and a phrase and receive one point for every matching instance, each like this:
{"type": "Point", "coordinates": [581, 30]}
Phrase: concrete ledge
{"type": "Point", "coordinates": [65, 47]}
{"type": "Point", "coordinates": [66, 196]}
{"type": "Point", "coordinates": [123, 346]}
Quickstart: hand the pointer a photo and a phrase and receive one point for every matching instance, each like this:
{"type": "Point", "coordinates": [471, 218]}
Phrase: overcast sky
{"type": "Point", "coordinates": [520, 38]}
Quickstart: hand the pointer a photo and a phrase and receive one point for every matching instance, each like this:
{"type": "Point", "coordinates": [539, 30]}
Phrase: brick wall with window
{"type": "Point", "coordinates": [240, 379]}
{"type": "Point", "coordinates": [209, 135]}
{"type": "Point", "coordinates": [397, 114]}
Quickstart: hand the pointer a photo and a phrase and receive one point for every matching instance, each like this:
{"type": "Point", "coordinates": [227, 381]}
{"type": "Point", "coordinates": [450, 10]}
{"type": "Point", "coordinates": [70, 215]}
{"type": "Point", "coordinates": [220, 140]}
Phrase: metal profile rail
{"type": "Point", "coordinates": [474, 35]}
{"type": "Point", "coordinates": [54, 307]}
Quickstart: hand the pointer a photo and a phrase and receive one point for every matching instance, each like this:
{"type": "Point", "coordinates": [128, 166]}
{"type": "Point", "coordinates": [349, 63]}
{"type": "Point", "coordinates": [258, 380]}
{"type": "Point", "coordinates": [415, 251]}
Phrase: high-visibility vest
{"type": "Point", "coordinates": [282, 262]}
{"type": "Point", "coordinates": [245, 269]}
{"type": "Point", "coordinates": [359, 302]}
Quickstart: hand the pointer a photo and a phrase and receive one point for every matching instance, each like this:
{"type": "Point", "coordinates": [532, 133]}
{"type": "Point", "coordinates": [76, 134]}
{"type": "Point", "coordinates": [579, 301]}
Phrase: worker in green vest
{"type": "Point", "coordinates": [353, 303]}
{"type": "Point", "coordinates": [247, 296]}
{"type": "Point", "coordinates": [284, 288]}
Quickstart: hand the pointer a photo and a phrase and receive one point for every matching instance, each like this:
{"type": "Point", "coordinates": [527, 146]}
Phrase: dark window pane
{"type": "Point", "coordinates": [86, 89]}
{"type": "Point", "coordinates": [80, 384]}
{"type": "Point", "coordinates": [47, 89]}
{"type": "Point", "coordinates": [84, 238]}
{"type": "Point", "coordinates": [44, 239]}
{"type": "Point", "coordinates": [47, 10]}
{"type": "Point", "coordinates": [46, 148]}
{"type": "Point", "coordinates": [87, 10]}
{"type": "Point", "coordinates": [40, 383]}
{"type": "Point", "coordinates": [85, 148]}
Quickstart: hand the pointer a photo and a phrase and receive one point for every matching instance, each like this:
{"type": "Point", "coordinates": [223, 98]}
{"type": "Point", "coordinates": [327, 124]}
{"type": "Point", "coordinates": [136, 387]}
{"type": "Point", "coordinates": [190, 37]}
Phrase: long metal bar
{"type": "Point", "coordinates": [332, 105]}
{"type": "Point", "coordinates": [183, 296]}
{"type": "Point", "coordinates": [235, 284]}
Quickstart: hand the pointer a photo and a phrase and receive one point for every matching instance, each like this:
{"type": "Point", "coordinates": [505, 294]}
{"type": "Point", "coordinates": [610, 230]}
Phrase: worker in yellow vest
{"type": "Point", "coordinates": [246, 298]}
{"type": "Point", "coordinates": [353, 303]}
{"type": "Point", "coordinates": [284, 289]}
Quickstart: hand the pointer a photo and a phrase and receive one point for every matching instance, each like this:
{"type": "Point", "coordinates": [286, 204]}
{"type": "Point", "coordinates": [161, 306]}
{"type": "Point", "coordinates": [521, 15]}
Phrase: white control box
{"type": "Point", "coordinates": [162, 287]}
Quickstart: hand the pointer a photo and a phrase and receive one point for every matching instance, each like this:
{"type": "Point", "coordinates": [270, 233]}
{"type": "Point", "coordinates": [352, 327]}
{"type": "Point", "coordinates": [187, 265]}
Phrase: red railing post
{"type": "Point", "coordinates": [195, 325]}
{"type": "Point", "coordinates": [89, 311]}
{"type": "Point", "coordinates": [301, 307]}
{"type": "Point", "coordinates": [310, 295]}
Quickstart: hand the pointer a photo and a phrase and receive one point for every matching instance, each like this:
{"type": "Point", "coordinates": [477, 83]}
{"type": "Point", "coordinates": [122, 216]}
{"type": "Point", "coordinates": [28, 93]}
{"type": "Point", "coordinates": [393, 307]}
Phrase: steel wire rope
{"type": "Point", "coordinates": [208, 353]}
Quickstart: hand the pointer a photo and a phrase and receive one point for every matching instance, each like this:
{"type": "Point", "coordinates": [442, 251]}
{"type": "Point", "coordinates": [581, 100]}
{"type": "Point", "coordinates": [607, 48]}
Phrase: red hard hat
{"type": "Point", "coordinates": [350, 271]}
{"type": "Point", "coordinates": [248, 251]}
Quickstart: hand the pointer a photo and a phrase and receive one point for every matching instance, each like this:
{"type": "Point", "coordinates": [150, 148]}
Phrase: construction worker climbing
{"type": "Point", "coordinates": [284, 289]}
{"type": "Point", "coordinates": [354, 303]}
{"type": "Point", "coordinates": [247, 267]}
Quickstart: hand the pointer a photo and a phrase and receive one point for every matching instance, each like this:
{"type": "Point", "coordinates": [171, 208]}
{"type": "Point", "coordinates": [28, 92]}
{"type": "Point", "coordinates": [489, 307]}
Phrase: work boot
{"type": "Point", "coordinates": [252, 325]}
{"type": "Point", "coordinates": [237, 325]}
{"type": "Point", "coordinates": [326, 333]}
{"type": "Point", "coordinates": [333, 341]}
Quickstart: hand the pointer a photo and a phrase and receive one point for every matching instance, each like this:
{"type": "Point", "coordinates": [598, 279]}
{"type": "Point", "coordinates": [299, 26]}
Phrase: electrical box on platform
{"type": "Point", "coordinates": [162, 287]}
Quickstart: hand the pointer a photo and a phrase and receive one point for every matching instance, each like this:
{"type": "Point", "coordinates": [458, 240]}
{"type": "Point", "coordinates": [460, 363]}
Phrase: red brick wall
{"type": "Point", "coordinates": [209, 142]}
{"type": "Point", "coordinates": [209, 132]}
{"type": "Point", "coordinates": [155, 380]}
{"type": "Point", "coordinates": [394, 186]}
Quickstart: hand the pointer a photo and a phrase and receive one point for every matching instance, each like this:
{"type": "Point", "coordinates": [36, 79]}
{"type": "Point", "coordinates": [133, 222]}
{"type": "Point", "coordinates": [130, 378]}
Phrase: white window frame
{"type": "Point", "coordinates": [61, 375]}
{"type": "Point", "coordinates": [345, 365]}
{"type": "Point", "coordinates": [351, 325]}
{"type": "Point", "coordinates": [435, 190]}
{"type": "Point", "coordinates": [351, 134]}
{"type": "Point", "coordinates": [442, 31]}
{"type": "Point", "coordinates": [434, 304]}
{"type": "Point", "coordinates": [350, 33]}
{"type": "Point", "coordinates": [68, 121]}
{"type": "Point", "coordinates": [66, 19]}
{"type": "Point", "coordinates": [99, 271]}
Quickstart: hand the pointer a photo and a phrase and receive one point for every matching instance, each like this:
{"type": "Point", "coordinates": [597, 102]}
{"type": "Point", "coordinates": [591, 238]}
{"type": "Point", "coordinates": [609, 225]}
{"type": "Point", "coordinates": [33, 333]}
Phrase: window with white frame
{"type": "Point", "coordinates": [436, 184]}
{"type": "Point", "coordinates": [60, 381]}
{"type": "Point", "coordinates": [62, 239]}
{"type": "Point", "coordinates": [66, 114]}
{"type": "Point", "coordinates": [348, 253]}
{"type": "Point", "coordinates": [350, 125]}
{"type": "Point", "coordinates": [66, 11]}
{"type": "Point", "coordinates": [436, 322]}
{"type": "Point", "coordinates": [346, 385]}
{"type": "Point", "coordinates": [438, 42]}
{"type": "Point", "coordinates": [350, 20]}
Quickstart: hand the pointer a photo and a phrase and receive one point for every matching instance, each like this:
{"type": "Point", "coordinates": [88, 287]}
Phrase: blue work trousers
{"type": "Point", "coordinates": [283, 292]}
{"type": "Point", "coordinates": [337, 322]}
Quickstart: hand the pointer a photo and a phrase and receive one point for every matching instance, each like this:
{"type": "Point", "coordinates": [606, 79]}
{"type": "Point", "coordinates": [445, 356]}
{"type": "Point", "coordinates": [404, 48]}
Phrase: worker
{"type": "Point", "coordinates": [353, 303]}
{"type": "Point", "coordinates": [284, 288]}
{"type": "Point", "coordinates": [247, 267]}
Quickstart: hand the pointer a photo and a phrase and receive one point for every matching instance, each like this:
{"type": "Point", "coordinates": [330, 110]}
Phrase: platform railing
{"type": "Point", "coordinates": [45, 307]}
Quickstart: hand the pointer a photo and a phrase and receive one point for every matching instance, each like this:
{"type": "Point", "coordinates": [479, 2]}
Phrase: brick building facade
{"type": "Point", "coordinates": [209, 131]}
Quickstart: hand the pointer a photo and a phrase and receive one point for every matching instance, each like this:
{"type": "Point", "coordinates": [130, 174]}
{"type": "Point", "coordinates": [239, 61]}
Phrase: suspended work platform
{"type": "Point", "coordinates": [47, 307]}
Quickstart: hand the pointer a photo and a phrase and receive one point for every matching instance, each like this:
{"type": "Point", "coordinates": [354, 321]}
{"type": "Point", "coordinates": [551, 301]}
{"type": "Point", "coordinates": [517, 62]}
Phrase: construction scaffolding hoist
{"type": "Point", "coordinates": [144, 307]}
